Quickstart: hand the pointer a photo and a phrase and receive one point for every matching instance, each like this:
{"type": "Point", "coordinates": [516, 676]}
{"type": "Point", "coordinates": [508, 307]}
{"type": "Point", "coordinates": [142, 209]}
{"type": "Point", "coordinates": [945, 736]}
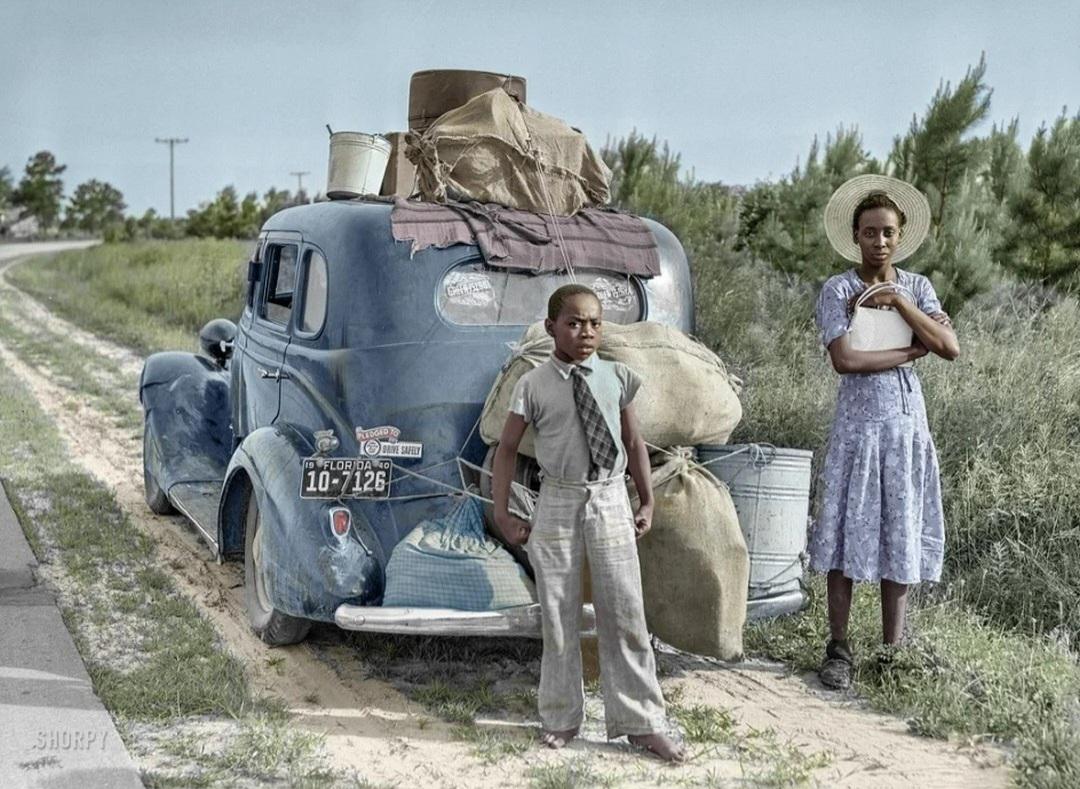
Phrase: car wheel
{"type": "Point", "coordinates": [272, 626]}
{"type": "Point", "coordinates": [156, 499]}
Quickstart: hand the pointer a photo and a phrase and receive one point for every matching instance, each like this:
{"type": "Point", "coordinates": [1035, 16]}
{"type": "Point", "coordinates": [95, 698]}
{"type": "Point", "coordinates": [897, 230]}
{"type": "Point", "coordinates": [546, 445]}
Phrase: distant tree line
{"type": "Point", "coordinates": [996, 209]}
{"type": "Point", "coordinates": [37, 203]}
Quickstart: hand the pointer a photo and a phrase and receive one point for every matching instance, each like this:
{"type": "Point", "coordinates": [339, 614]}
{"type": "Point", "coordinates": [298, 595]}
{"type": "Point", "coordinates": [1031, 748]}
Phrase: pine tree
{"type": "Point", "coordinates": [41, 190]}
{"type": "Point", "coordinates": [1002, 175]}
{"type": "Point", "coordinates": [782, 223]}
{"type": "Point", "coordinates": [94, 206]}
{"type": "Point", "coordinates": [646, 180]}
{"type": "Point", "coordinates": [7, 188]}
{"type": "Point", "coordinates": [1043, 239]}
{"type": "Point", "coordinates": [940, 156]}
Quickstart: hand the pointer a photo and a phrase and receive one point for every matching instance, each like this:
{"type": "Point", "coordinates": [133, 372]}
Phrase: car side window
{"type": "Point", "coordinates": [252, 285]}
{"type": "Point", "coordinates": [281, 261]}
{"type": "Point", "coordinates": [314, 310]}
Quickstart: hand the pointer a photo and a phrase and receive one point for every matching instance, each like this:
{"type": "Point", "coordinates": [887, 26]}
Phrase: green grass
{"type": "Point", "coordinates": [72, 519]}
{"type": "Point", "coordinates": [262, 748]}
{"type": "Point", "coordinates": [151, 295]}
{"type": "Point", "coordinates": [765, 760]}
{"type": "Point", "coordinates": [957, 675]}
{"type": "Point", "coordinates": [92, 377]}
{"type": "Point", "coordinates": [569, 774]}
{"type": "Point", "coordinates": [457, 704]}
{"type": "Point", "coordinates": [150, 655]}
{"type": "Point", "coordinates": [491, 747]}
{"type": "Point", "coordinates": [702, 723]}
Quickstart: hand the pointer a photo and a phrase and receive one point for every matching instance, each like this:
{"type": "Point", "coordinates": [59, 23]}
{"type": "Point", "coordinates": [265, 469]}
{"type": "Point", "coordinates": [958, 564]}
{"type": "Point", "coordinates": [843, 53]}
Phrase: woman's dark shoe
{"type": "Point", "coordinates": [835, 672]}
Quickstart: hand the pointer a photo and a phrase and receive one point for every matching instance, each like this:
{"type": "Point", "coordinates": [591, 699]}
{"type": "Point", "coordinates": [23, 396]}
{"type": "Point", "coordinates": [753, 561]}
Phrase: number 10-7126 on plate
{"type": "Point", "coordinates": [345, 478]}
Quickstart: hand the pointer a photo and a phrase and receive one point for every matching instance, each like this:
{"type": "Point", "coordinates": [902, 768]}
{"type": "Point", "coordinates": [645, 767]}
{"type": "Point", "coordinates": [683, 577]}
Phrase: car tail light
{"type": "Point", "coordinates": [340, 520]}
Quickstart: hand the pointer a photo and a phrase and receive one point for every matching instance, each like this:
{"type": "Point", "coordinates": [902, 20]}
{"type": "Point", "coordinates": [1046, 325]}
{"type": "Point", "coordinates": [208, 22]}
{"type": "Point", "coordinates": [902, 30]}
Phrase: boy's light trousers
{"type": "Point", "coordinates": [572, 520]}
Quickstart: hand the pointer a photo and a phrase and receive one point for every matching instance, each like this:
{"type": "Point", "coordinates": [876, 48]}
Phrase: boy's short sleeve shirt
{"type": "Point", "coordinates": [544, 398]}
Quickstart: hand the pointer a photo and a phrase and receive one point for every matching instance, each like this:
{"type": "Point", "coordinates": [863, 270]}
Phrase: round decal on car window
{"type": "Point", "coordinates": [613, 294]}
{"type": "Point", "coordinates": [469, 288]}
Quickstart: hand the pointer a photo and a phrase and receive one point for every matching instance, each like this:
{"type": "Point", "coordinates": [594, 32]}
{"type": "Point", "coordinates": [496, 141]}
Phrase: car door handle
{"type": "Point", "coordinates": [277, 375]}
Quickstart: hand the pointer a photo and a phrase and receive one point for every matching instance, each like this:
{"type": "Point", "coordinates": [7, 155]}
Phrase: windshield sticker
{"type": "Point", "coordinates": [613, 295]}
{"type": "Point", "coordinates": [469, 289]}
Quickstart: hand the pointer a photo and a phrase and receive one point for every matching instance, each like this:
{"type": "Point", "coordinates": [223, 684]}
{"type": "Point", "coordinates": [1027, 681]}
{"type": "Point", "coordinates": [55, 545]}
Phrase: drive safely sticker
{"type": "Point", "coordinates": [383, 442]}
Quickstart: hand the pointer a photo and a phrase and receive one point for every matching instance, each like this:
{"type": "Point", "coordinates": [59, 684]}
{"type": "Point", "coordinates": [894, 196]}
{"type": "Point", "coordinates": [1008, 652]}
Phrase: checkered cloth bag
{"type": "Point", "coordinates": [451, 562]}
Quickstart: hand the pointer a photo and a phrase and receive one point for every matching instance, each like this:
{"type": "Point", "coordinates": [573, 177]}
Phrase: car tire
{"type": "Point", "coordinates": [156, 499]}
{"type": "Point", "coordinates": [271, 625]}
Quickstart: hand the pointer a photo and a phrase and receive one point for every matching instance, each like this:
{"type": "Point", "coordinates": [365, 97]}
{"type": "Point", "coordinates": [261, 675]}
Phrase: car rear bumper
{"type": "Point", "coordinates": [518, 621]}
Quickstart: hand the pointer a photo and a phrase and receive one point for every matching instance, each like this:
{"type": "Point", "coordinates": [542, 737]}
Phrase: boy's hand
{"type": "Point", "coordinates": [514, 530]}
{"type": "Point", "coordinates": [643, 520]}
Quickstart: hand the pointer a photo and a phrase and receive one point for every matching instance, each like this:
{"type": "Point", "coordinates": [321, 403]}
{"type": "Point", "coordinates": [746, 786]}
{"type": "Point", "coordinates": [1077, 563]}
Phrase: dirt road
{"type": "Point", "coordinates": [372, 727]}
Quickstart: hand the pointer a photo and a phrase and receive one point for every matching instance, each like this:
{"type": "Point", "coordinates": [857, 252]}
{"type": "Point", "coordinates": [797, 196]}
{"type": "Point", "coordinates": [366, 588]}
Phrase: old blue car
{"type": "Point", "coordinates": [349, 340]}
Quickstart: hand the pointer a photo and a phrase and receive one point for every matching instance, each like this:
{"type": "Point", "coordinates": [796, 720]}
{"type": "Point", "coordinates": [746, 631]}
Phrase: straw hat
{"type": "Point", "coordinates": [841, 209]}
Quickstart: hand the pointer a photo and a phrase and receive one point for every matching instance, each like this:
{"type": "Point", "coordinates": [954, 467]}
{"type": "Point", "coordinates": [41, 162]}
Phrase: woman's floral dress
{"type": "Point", "coordinates": [879, 513]}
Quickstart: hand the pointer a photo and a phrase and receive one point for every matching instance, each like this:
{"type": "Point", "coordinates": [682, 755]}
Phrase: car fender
{"type": "Point", "coordinates": [309, 571]}
{"type": "Point", "coordinates": [186, 404]}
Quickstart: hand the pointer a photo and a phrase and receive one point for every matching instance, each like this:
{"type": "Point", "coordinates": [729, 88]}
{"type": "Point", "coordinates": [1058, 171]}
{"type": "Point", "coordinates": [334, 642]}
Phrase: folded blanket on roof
{"type": "Point", "coordinates": [508, 238]}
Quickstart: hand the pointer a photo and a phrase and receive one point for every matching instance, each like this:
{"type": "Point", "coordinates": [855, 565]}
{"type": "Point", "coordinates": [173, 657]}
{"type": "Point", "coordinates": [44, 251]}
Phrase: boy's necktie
{"type": "Point", "coordinates": [602, 447]}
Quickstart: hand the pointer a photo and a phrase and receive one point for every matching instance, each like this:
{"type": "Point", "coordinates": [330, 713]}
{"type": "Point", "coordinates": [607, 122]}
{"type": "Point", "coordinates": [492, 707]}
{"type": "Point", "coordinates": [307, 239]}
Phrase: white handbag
{"type": "Point", "coordinates": [874, 329]}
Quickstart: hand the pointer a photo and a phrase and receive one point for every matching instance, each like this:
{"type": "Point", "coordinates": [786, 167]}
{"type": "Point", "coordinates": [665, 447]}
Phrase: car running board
{"type": "Point", "coordinates": [198, 501]}
{"type": "Point", "coordinates": [523, 620]}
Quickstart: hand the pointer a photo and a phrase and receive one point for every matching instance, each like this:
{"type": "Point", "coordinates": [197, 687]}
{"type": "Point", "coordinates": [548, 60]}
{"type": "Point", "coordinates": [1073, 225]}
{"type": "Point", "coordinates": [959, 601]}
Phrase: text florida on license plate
{"type": "Point", "coordinates": [334, 478]}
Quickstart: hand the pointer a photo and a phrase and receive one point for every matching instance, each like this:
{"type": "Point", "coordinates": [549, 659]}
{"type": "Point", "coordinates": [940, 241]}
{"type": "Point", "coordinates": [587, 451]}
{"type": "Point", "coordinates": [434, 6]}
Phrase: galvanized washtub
{"type": "Point", "coordinates": [770, 487]}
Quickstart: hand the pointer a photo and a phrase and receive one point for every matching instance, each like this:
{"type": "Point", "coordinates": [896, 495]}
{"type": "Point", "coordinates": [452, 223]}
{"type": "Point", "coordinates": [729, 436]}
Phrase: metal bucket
{"type": "Point", "coordinates": [770, 487]}
{"type": "Point", "coordinates": [357, 164]}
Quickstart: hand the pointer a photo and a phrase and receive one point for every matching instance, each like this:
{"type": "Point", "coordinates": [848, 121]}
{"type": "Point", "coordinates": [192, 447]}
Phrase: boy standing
{"type": "Point", "coordinates": [580, 406]}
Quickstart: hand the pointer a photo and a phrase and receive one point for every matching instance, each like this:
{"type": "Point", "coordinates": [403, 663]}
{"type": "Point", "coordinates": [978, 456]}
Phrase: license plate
{"type": "Point", "coordinates": [345, 478]}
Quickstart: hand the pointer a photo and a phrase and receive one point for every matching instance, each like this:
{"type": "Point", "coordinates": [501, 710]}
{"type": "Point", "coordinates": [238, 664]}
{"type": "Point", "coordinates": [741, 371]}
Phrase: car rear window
{"type": "Point", "coordinates": [314, 311]}
{"type": "Point", "coordinates": [474, 294]}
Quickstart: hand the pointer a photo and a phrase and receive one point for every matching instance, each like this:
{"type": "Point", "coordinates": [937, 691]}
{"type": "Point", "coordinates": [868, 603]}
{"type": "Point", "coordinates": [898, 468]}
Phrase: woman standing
{"type": "Point", "coordinates": [880, 516]}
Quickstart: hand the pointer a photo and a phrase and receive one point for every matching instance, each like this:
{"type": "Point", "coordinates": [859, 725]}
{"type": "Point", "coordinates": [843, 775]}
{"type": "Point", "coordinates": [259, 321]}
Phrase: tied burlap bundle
{"type": "Point", "coordinates": [688, 397]}
{"type": "Point", "coordinates": [495, 149]}
{"type": "Point", "coordinates": [694, 565]}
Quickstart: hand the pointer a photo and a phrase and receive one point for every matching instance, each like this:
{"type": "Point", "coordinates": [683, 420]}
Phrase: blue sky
{"type": "Point", "coordinates": [738, 89]}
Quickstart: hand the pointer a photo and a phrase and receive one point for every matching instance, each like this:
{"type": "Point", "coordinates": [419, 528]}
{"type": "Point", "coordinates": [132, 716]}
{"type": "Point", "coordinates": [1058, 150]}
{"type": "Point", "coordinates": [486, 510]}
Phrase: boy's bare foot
{"type": "Point", "coordinates": [660, 745]}
{"type": "Point", "coordinates": [558, 739]}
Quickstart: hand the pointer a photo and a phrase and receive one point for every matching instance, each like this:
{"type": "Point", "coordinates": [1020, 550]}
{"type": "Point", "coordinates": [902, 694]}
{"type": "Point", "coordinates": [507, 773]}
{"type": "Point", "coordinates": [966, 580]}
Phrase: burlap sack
{"type": "Point", "coordinates": [497, 150]}
{"type": "Point", "coordinates": [531, 351]}
{"type": "Point", "coordinates": [695, 569]}
{"type": "Point", "coordinates": [688, 397]}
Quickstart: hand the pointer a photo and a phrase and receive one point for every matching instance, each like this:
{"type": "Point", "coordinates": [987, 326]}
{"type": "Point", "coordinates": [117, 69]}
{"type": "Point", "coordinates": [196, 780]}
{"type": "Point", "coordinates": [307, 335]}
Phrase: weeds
{"type": "Point", "coordinates": [570, 774]}
{"type": "Point", "coordinates": [765, 760]}
{"type": "Point", "coordinates": [490, 747]}
{"type": "Point", "coordinates": [956, 675]}
{"type": "Point", "coordinates": [454, 704]}
{"type": "Point", "coordinates": [152, 658]}
{"type": "Point", "coordinates": [702, 723]}
{"type": "Point", "coordinates": [152, 295]}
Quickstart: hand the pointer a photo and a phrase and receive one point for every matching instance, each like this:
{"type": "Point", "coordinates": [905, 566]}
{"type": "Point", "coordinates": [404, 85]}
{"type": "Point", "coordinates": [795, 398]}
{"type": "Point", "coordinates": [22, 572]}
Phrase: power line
{"type": "Point", "coordinates": [173, 142]}
{"type": "Point", "coordinates": [300, 180]}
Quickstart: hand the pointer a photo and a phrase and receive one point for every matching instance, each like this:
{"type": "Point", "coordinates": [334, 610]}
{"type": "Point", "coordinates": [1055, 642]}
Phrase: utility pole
{"type": "Point", "coordinates": [300, 181]}
{"type": "Point", "coordinates": [173, 142]}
